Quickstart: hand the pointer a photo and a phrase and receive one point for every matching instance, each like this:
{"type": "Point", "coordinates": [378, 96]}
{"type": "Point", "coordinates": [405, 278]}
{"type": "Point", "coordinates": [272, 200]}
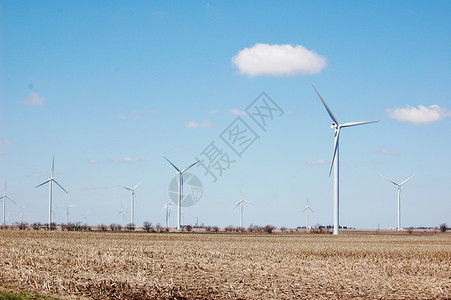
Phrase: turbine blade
{"type": "Point", "coordinates": [237, 205]}
{"type": "Point", "coordinates": [11, 200]}
{"type": "Point", "coordinates": [406, 180]}
{"type": "Point", "coordinates": [138, 185]}
{"type": "Point", "coordinates": [390, 180]}
{"type": "Point", "coordinates": [327, 107]}
{"type": "Point", "coordinates": [357, 123]}
{"type": "Point", "coordinates": [43, 183]}
{"type": "Point", "coordinates": [53, 166]}
{"type": "Point", "coordinates": [337, 136]}
{"type": "Point", "coordinates": [311, 209]}
{"type": "Point", "coordinates": [127, 188]}
{"type": "Point", "coordinates": [60, 186]}
{"type": "Point", "coordinates": [190, 166]}
{"type": "Point", "coordinates": [172, 164]}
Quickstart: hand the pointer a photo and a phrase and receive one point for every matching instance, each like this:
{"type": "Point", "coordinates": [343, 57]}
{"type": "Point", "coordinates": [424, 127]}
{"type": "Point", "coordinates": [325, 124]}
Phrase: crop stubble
{"type": "Point", "coordinates": [218, 266]}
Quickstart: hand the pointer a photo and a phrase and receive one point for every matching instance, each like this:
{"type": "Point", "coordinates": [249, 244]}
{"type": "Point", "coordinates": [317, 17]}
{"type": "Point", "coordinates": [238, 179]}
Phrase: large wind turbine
{"type": "Point", "coordinates": [335, 161]}
{"type": "Point", "coordinates": [399, 197]}
{"type": "Point", "coordinates": [4, 198]}
{"type": "Point", "coordinates": [50, 181]}
{"type": "Point", "coordinates": [241, 204]}
{"type": "Point", "coordinates": [180, 190]}
{"type": "Point", "coordinates": [306, 209]}
{"type": "Point", "coordinates": [132, 216]}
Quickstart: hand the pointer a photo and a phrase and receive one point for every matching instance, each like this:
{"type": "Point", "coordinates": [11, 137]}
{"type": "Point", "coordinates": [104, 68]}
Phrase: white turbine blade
{"type": "Point", "coordinates": [172, 164]}
{"type": "Point", "coordinates": [138, 185]}
{"type": "Point", "coordinates": [190, 166]}
{"type": "Point", "coordinates": [395, 183]}
{"type": "Point", "coordinates": [327, 108]}
{"type": "Point", "coordinates": [127, 188]}
{"type": "Point", "coordinates": [43, 183]}
{"type": "Point", "coordinates": [237, 205]}
{"type": "Point", "coordinates": [311, 209]}
{"type": "Point", "coordinates": [60, 185]}
{"type": "Point", "coordinates": [245, 201]}
{"type": "Point", "coordinates": [357, 123]}
{"type": "Point", "coordinates": [337, 136]}
{"type": "Point", "coordinates": [11, 200]}
{"type": "Point", "coordinates": [53, 166]}
{"type": "Point", "coordinates": [406, 180]}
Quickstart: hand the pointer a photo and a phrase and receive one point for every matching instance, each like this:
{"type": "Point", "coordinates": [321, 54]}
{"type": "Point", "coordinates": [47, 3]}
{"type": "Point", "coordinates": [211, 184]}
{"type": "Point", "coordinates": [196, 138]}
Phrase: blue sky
{"type": "Point", "coordinates": [109, 88]}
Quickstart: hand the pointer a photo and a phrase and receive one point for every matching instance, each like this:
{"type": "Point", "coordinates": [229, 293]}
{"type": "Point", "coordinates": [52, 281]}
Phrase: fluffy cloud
{"type": "Point", "coordinates": [237, 112]}
{"type": "Point", "coordinates": [418, 115]}
{"type": "Point", "coordinates": [127, 160]}
{"type": "Point", "coordinates": [193, 124]}
{"type": "Point", "coordinates": [34, 99]}
{"type": "Point", "coordinates": [278, 60]}
{"type": "Point", "coordinates": [317, 162]}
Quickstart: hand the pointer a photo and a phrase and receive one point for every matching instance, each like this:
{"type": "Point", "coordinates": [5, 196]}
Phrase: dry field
{"type": "Point", "coordinates": [105, 265]}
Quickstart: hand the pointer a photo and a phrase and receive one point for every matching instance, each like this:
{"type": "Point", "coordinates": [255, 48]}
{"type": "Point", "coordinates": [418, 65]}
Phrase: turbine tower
{"type": "Point", "coordinates": [4, 198]}
{"type": "Point", "coordinates": [241, 203]}
{"type": "Point", "coordinates": [22, 207]}
{"type": "Point", "coordinates": [50, 182]}
{"type": "Point", "coordinates": [133, 199]}
{"type": "Point", "coordinates": [306, 209]}
{"type": "Point", "coordinates": [399, 197]}
{"type": "Point", "coordinates": [180, 190]}
{"type": "Point", "coordinates": [335, 161]}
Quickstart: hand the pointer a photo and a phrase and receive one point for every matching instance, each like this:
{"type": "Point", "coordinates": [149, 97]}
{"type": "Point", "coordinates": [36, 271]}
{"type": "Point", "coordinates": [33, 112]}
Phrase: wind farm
{"type": "Point", "coordinates": [216, 150]}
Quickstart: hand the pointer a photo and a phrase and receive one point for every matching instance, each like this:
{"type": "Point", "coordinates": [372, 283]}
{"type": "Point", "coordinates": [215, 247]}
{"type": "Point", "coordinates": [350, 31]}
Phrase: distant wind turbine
{"type": "Point", "coordinates": [122, 213]}
{"type": "Point", "coordinates": [132, 213]}
{"type": "Point", "coordinates": [306, 209]}
{"type": "Point", "coordinates": [4, 198]}
{"type": "Point", "coordinates": [399, 197]}
{"type": "Point", "coordinates": [241, 204]}
{"type": "Point", "coordinates": [50, 181]}
{"type": "Point", "coordinates": [180, 189]}
{"type": "Point", "coordinates": [168, 213]}
{"type": "Point", "coordinates": [21, 212]}
{"type": "Point", "coordinates": [335, 161]}
{"type": "Point", "coordinates": [67, 211]}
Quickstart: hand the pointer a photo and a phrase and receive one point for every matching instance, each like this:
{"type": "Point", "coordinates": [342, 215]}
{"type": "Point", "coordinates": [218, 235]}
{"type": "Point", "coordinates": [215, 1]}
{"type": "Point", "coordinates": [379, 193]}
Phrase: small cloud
{"type": "Point", "coordinates": [213, 111]}
{"type": "Point", "coordinates": [278, 60]}
{"type": "Point", "coordinates": [127, 160]}
{"type": "Point", "coordinates": [122, 117]}
{"type": "Point", "coordinates": [317, 162]}
{"type": "Point", "coordinates": [193, 124]}
{"type": "Point", "coordinates": [387, 152]}
{"type": "Point", "coordinates": [2, 152]}
{"type": "Point", "coordinates": [93, 161]}
{"type": "Point", "coordinates": [377, 162]}
{"type": "Point", "coordinates": [34, 99]}
{"type": "Point", "coordinates": [237, 112]}
{"type": "Point", "coordinates": [6, 142]}
{"type": "Point", "coordinates": [26, 164]}
{"type": "Point", "coordinates": [153, 111]}
{"type": "Point", "coordinates": [176, 149]}
{"type": "Point", "coordinates": [136, 115]}
{"type": "Point", "coordinates": [418, 115]}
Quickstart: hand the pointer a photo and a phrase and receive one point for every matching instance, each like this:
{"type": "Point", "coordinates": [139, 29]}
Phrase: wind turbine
{"type": "Point", "coordinates": [122, 213]}
{"type": "Point", "coordinates": [21, 212]}
{"type": "Point", "coordinates": [306, 209]}
{"type": "Point", "coordinates": [132, 213]}
{"type": "Point", "coordinates": [399, 197]}
{"type": "Point", "coordinates": [335, 161]}
{"type": "Point", "coordinates": [241, 203]}
{"type": "Point", "coordinates": [180, 189]}
{"type": "Point", "coordinates": [167, 207]}
{"type": "Point", "coordinates": [67, 212]}
{"type": "Point", "coordinates": [50, 181]}
{"type": "Point", "coordinates": [4, 198]}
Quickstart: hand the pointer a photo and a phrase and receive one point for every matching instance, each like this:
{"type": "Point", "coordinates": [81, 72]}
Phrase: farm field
{"type": "Point", "coordinates": [103, 265]}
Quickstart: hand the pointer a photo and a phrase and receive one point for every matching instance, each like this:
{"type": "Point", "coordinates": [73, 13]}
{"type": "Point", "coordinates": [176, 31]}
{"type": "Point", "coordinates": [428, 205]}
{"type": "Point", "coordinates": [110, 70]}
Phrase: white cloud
{"type": "Point", "coordinates": [177, 149]}
{"type": "Point", "coordinates": [317, 162]}
{"type": "Point", "coordinates": [387, 152]}
{"type": "Point", "coordinates": [2, 152]}
{"type": "Point", "coordinates": [278, 60]}
{"type": "Point", "coordinates": [122, 117]}
{"type": "Point", "coordinates": [213, 111]}
{"type": "Point", "coordinates": [193, 124]}
{"type": "Point", "coordinates": [34, 99]}
{"type": "Point", "coordinates": [237, 112]}
{"type": "Point", "coordinates": [418, 115]}
{"type": "Point", "coordinates": [93, 161]}
{"type": "Point", "coordinates": [6, 142]}
{"type": "Point", "coordinates": [127, 160]}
